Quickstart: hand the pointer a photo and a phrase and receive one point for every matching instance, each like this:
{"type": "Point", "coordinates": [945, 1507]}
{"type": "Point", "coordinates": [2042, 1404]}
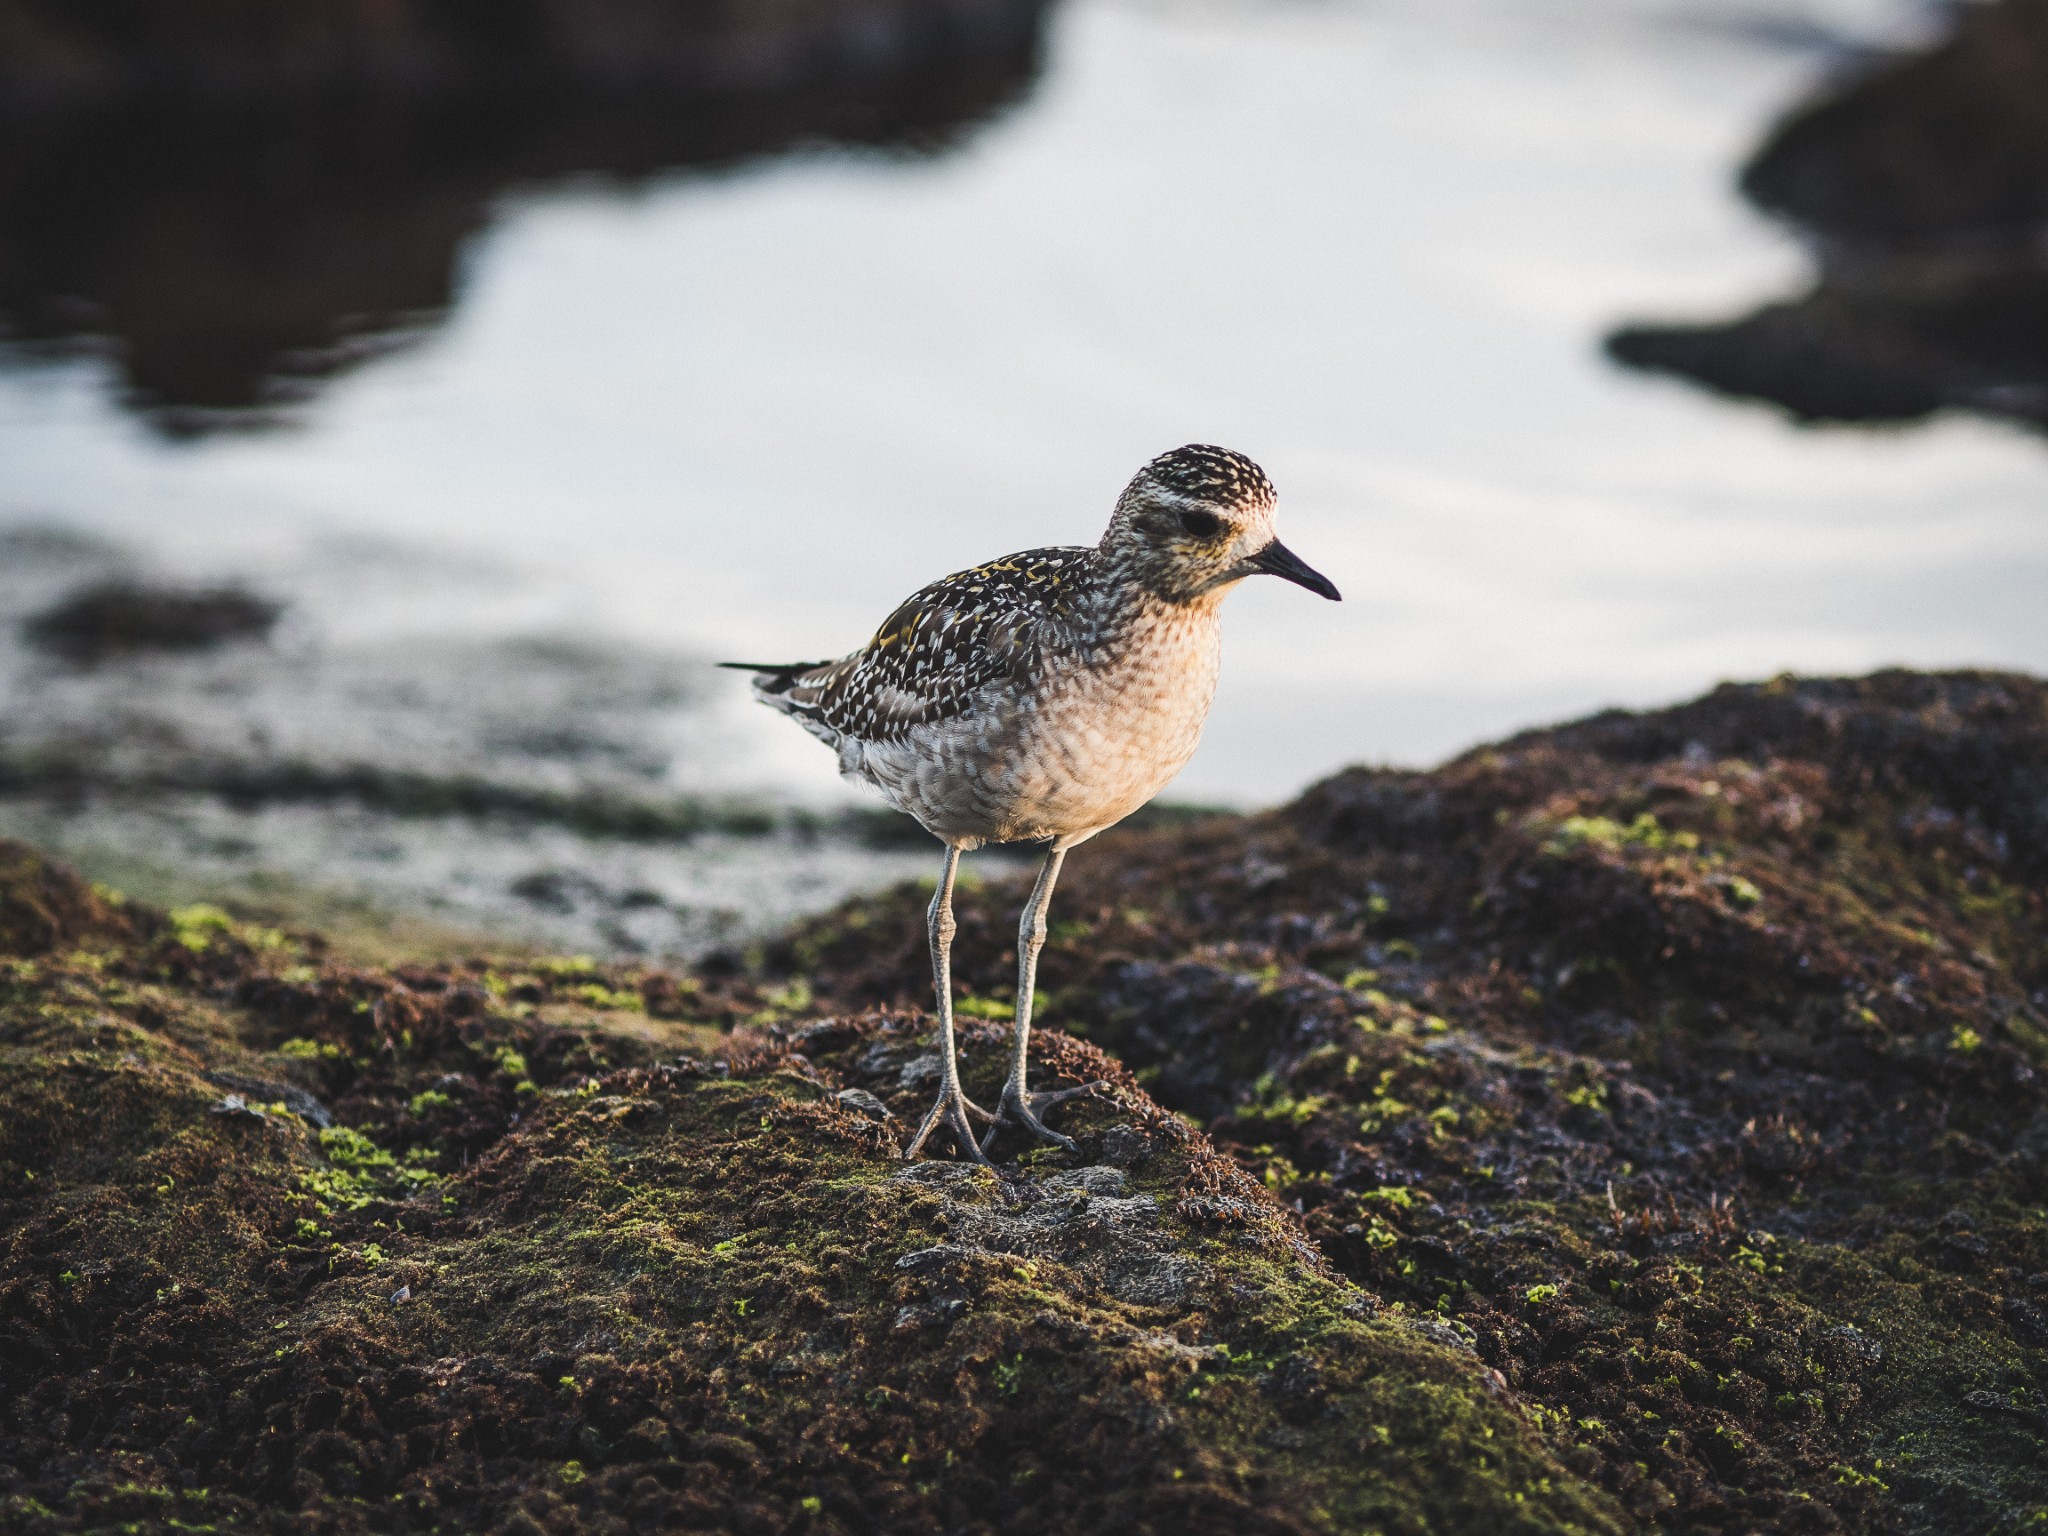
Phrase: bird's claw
{"type": "Point", "coordinates": [1022, 1109]}
{"type": "Point", "coordinates": [953, 1107]}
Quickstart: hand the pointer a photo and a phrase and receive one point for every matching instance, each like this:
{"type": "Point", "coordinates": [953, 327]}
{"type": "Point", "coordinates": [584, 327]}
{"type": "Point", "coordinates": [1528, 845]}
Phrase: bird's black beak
{"type": "Point", "coordinates": [1276, 559]}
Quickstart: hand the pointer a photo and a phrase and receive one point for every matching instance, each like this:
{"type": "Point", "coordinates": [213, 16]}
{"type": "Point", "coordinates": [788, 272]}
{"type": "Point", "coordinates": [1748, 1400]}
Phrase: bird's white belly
{"type": "Point", "coordinates": [1081, 753]}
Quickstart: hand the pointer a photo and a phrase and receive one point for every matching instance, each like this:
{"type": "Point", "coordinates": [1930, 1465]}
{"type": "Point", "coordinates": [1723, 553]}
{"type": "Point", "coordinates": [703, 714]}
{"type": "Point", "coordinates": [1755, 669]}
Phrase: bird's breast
{"type": "Point", "coordinates": [1109, 729]}
{"type": "Point", "coordinates": [1145, 693]}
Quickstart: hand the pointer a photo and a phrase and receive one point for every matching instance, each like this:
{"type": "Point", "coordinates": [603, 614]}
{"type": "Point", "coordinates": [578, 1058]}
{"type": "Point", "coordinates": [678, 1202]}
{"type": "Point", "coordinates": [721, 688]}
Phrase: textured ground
{"type": "Point", "coordinates": [1638, 1125]}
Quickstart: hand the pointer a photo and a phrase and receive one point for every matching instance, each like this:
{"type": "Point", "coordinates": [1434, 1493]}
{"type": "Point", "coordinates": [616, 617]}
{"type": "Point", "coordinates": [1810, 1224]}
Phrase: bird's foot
{"type": "Point", "coordinates": [1022, 1108]}
{"type": "Point", "coordinates": [953, 1107]}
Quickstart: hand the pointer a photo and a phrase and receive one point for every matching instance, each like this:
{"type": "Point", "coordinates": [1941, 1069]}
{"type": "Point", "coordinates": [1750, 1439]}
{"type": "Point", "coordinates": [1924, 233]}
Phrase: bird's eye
{"type": "Point", "coordinates": [1201, 525]}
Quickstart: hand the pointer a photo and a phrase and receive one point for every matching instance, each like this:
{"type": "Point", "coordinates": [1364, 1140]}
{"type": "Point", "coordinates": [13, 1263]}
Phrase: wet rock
{"type": "Point", "coordinates": [2027, 1408]}
{"type": "Point", "coordinates": [1857, 1343]}
{"type": "Point", "coordinates": [296, 1099]}
{"type": "Point", "coordinates": [920, 1072]}
{"type": "Point", "coordinates": [1125, 1146]}
{"type": "Point", "coordinates": [1923, 182]}
{"type": "Point", "coordinates": [117, 618]}
{"type": "Point", "coordinates": [1639, 1057]}
{"type": "Point", "coordinates": [862, 1102]}
{"type": "Point", "coordinates": [2028, 1322]}
{"type": "Point", "coordinates": [1703, 1263]}
{"type": "Point", "coordinates": [1081, 1218]}
{"type": "Point", "coordinates": [930, 1314]}
{"type": "Point", "coordinates": [1437, 1331]}
{"type": "Point", "coordinates": [935, 1260]}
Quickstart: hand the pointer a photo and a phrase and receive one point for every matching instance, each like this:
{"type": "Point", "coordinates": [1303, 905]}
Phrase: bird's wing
{"type": "Point", "coordinates": [935, 653]}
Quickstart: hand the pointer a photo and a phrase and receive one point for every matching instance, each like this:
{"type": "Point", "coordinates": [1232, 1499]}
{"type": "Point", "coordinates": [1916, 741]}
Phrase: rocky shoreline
{"type": "Point", "coordinates": [1637, 1125]}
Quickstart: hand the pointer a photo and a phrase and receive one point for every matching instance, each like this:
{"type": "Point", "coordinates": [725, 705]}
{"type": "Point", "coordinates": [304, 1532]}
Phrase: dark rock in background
{"type": "Point", "coordinates": [1922, 184]}
{"type": "Point", "coordinates": [236, 202]}
{"type": "Point", "coordinates": [112, 618]}
{"type": "Point", "coordinates": [1927, 149]}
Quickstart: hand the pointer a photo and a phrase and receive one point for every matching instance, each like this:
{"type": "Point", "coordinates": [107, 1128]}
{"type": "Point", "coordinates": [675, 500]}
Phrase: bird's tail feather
{"type": "Point", "coordinates": [774, 680]}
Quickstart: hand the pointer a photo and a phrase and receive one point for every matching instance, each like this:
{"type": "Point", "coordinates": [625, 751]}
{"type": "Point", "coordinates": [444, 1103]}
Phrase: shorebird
{"type": "Point", "coordinates": [1043, 697]}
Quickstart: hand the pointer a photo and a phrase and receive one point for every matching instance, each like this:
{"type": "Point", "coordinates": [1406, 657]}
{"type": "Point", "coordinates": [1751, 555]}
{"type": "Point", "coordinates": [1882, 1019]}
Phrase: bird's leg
{"type": "Point", "coordinates": [953, 1106]}
{"type": "Point", "coordinates": [1020, 1104]}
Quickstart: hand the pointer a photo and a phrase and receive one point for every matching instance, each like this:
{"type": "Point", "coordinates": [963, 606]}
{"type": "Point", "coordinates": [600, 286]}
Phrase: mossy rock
{"type": "Point", "coordinates": [1641, 1125]}
{"type": "Point", "coordinates": [1693, 1064]}
{"type": "Point", "coordinates": [294, 1248]}
{"type": "Point", "coordinates": [44, 906]}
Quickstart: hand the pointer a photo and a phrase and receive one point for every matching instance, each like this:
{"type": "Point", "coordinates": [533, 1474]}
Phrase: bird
{"type": "Point", "coordinates": [1043, 697]}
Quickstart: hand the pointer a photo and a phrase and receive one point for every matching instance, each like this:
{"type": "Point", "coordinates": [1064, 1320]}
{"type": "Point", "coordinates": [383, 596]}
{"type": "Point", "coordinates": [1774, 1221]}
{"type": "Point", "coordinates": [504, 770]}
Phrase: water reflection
{"type": "Point", "coordinates": [1923, 185]}
{"type": "Point", "coordinates": [230, 245]}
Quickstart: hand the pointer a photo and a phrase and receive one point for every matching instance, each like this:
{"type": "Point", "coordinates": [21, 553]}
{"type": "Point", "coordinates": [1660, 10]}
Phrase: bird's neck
{"type": "Point", "coordinates": [1123, 609]}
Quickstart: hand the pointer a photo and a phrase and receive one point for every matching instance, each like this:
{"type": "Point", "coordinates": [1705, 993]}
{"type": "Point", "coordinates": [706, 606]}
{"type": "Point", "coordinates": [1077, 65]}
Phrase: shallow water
{"type": "Point", "coordinates": [1373, 244]}
{"type": "Point", "coordinates": [575, 792]}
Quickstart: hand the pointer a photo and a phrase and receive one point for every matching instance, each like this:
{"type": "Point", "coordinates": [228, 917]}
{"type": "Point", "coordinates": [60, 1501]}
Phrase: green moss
{"type": "Point", "coordinates": [198, 925]}
{"type": "Point", "coordinates": [1645, 832]}
{"type": "Point", "coordinates": [675, 1253]}
{"type": "Point", "coordinates": [662, 1269]}
{"type": "Point", "coordinates": [1619, 1009]}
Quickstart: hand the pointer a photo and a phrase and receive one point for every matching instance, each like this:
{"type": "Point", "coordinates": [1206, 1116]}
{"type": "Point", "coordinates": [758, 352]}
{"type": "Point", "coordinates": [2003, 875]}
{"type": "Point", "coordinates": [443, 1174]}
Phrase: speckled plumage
{"type": "Point", "coordinates": [933, 656]}
{"type": "Point", "coordinates": [1050, 693]}
{"type": "Point", "coordinates": [1046, 695]}
{"type": "Point", "coordinates": [1035, 696]}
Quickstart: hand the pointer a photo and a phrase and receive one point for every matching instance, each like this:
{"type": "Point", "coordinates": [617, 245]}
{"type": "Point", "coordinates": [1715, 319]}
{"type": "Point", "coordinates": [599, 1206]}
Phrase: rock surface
{"type": "Point", "coordinates": [1691, 1068]}
{"type": "Point", "coordinates": [556, 1264]}
{"type": "Point", "coordinates": [1639, 1125]}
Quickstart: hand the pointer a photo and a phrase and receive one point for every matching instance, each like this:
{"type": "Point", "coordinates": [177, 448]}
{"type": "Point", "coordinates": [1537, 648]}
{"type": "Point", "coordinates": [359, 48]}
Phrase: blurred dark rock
{"type": "Point", "coordinates": [1922, 184]}
{"type": "Point", "coordinates": [236, 201]}
{"type": "Point", "coordinates": [1927, 149]}
{"type": "Point", "coordinates": [117, 617]}
{"type": "Point", "coordinates": [60, 54]}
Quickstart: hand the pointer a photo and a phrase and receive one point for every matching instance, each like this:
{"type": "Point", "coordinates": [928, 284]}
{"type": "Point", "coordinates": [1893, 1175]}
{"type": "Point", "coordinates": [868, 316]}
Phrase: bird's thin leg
{"type": "Point", "coordinates": [1020, 1104]}
{"type": "Point", "coordinates": [952, 1106]}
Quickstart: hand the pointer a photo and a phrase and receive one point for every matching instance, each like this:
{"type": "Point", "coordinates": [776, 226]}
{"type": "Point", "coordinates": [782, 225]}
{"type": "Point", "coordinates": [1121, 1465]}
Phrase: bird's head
{"type": "Point", "coordinates": [1198, 520]}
